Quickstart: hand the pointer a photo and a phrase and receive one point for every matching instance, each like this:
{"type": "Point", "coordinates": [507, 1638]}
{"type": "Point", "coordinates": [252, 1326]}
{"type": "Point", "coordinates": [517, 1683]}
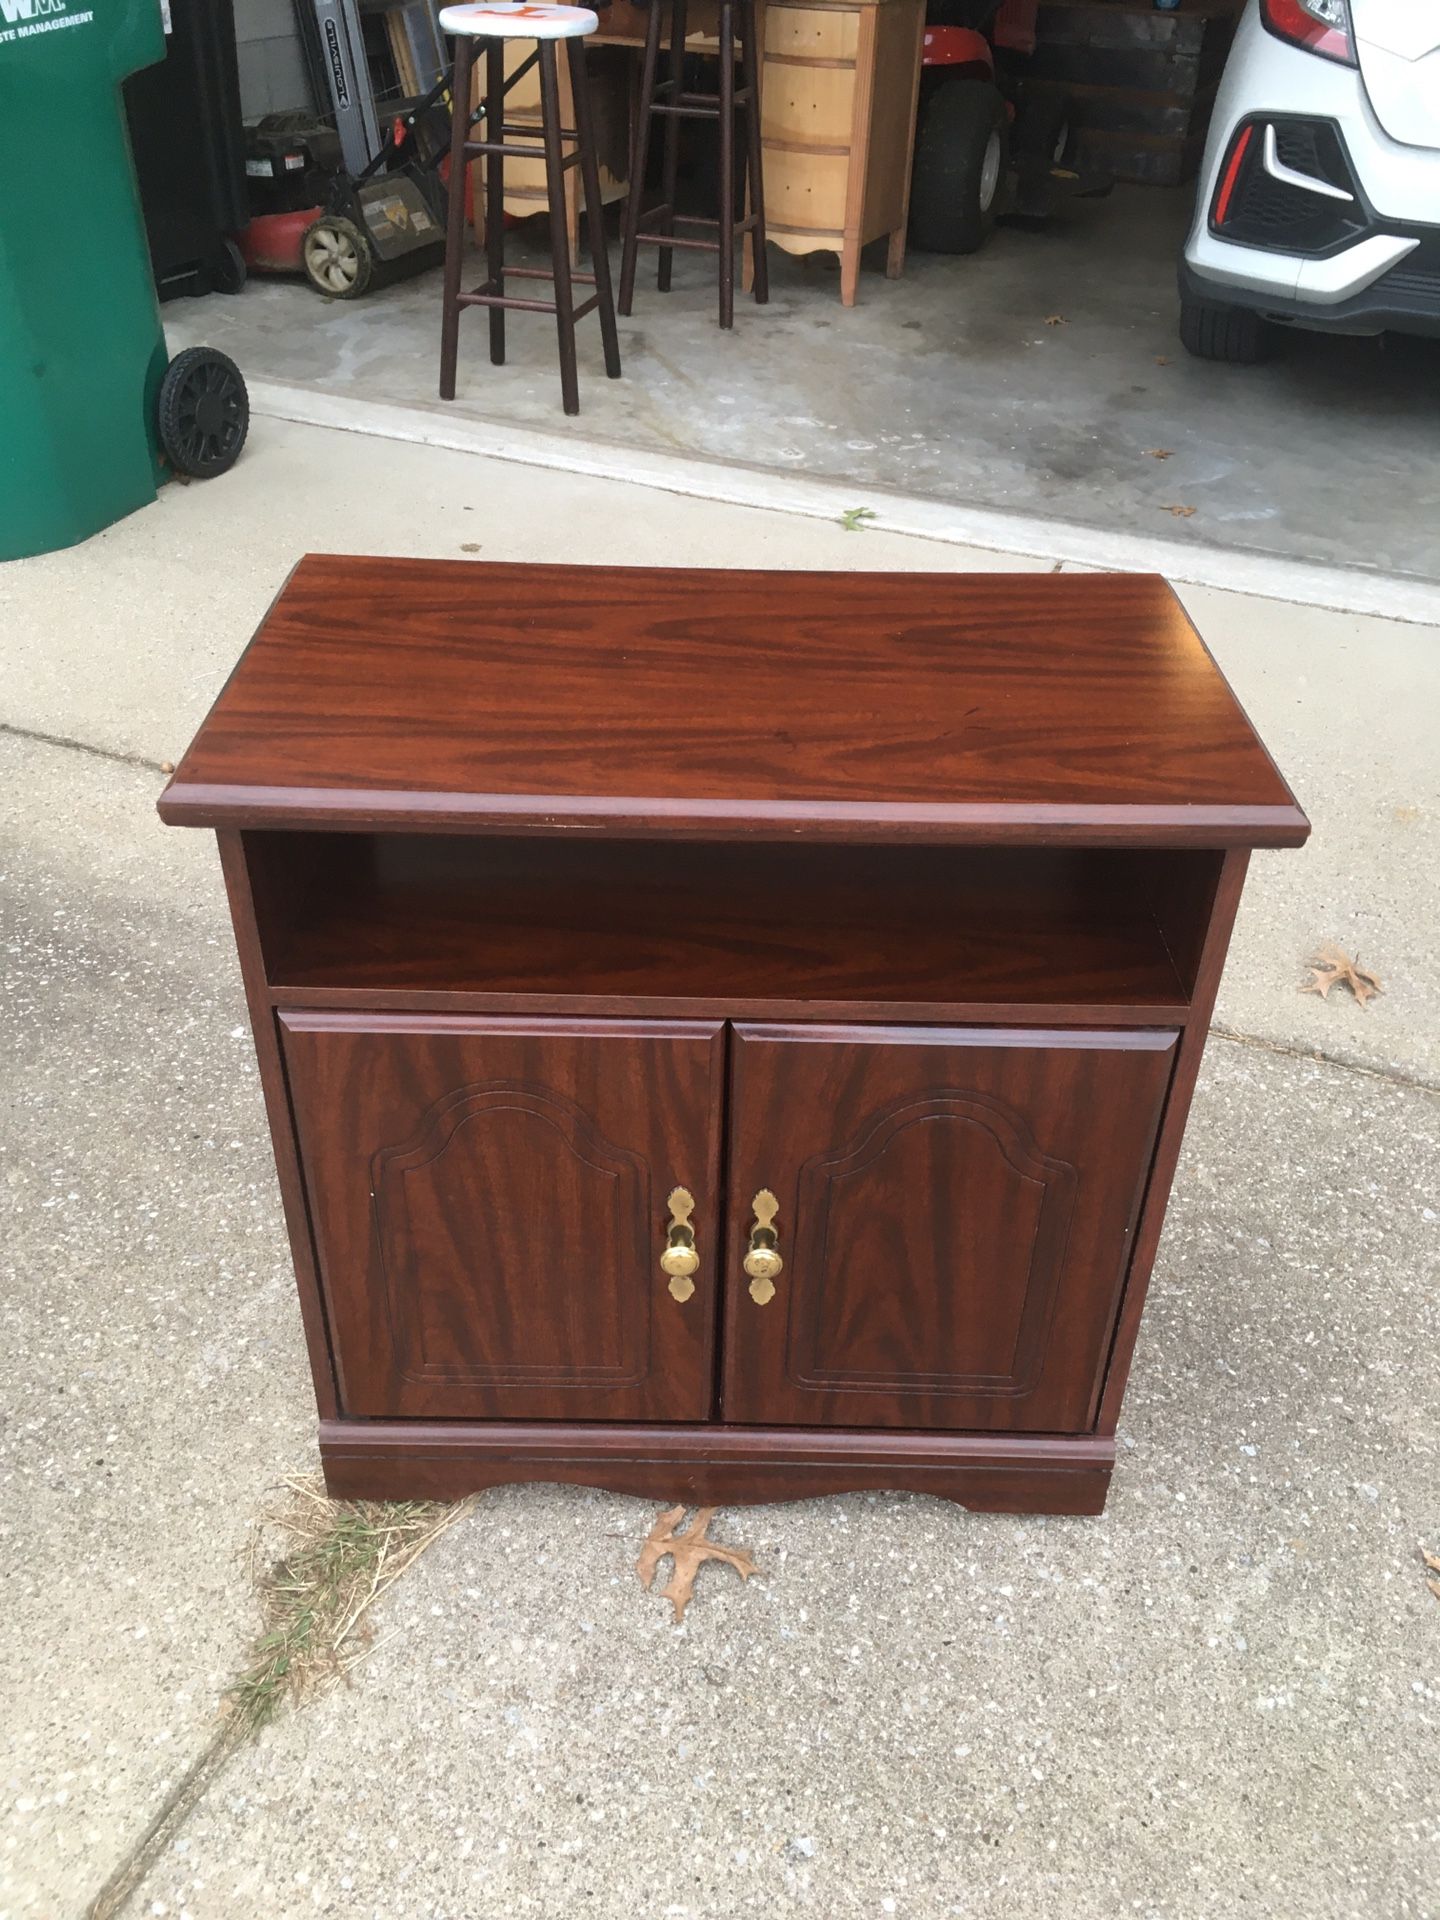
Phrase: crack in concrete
{"type": "Point", "coordinates": [1393, 1076]}
{"type": "Point", "coordinates": [187, 1793]}
{"type": "Point", "coordinates": [82, 746]}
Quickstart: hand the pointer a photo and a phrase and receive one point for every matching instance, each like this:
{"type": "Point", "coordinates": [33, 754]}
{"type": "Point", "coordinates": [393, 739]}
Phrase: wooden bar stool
{"type": "Point", "coordinates": [495, 22]}
{"type": "Point", "coordinates": [669, 101]}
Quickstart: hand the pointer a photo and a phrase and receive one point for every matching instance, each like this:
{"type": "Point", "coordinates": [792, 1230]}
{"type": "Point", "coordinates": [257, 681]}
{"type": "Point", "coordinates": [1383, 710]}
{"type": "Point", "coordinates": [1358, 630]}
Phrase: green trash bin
{"type": "Point", "coordinates": [91, 416]}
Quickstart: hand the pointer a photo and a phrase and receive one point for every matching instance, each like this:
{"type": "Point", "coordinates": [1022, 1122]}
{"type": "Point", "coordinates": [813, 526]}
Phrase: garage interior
{"type": "Point", "coordinates": [1040, 375]}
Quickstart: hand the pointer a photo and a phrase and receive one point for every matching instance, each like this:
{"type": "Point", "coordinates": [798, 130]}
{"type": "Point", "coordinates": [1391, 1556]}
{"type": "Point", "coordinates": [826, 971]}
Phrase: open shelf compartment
{"type": "Point", "coordinates": [622, 921]}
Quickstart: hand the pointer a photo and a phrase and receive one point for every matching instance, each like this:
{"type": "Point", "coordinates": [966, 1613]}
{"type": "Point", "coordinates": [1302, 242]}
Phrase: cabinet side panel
{"type": "Point", "coordinates": [1172, 1132]}
{"type": "Point", "coordinates": [894, 93]}
{"type": "Point", "coordinates": [282, 1123]}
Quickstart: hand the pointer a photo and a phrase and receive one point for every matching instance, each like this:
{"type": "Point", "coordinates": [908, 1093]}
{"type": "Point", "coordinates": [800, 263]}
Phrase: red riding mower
{"type": "Point", "coordinates": [985, 143]}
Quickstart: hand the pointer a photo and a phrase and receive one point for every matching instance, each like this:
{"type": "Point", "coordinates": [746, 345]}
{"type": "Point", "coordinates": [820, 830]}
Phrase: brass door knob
{"type": "Point", "coordinates": [680, 1258]}
{"type": "Point", "coordinates": [762, 1262]}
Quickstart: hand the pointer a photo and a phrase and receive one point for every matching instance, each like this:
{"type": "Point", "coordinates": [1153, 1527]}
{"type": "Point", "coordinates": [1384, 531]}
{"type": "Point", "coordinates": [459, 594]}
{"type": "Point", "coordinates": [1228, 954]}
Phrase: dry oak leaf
{"type": "Point", "coordinates": [1333, 967]}
{"type": "Point", "coordinates": [1159, 453]}
{"type": "Point", "coordinates": [1056, 320]}
{"type": "Point", "coordinates": [688, 1550]}
{"type": "Point", "coordinates": [1180, 513]}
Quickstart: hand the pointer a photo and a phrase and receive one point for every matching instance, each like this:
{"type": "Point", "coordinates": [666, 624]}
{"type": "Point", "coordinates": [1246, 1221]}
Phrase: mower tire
{"type": "Point", "coordinates": [962, 155]}
{"type": "Point", "coordinates": [336, 257]}
{"type": "Point", "coordinates": [227, 268]}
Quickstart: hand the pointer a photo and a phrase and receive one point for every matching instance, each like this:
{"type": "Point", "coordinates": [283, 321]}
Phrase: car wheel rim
{"type": "Point", "coordinates": [333, 260]}
{"type": "Point", "coordinates": [990, 173]}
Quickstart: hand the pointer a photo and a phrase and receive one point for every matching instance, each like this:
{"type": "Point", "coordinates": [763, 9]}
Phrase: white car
{"type": "Point", "coordinates": [1319, 200]}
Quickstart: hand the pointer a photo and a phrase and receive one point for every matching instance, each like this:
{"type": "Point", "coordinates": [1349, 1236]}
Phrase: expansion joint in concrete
{"type": "Point", "coordinates": [1316, 1056]}
{"type": "Point", "coordinates": [1392, 1075]}
{"type": "Point", "coordinates": [81, 746]}
{"type": "Point", "coordinates": [174, 1811]}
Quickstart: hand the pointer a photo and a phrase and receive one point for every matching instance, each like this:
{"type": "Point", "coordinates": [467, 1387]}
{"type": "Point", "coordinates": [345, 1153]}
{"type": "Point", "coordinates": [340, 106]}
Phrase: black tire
{"type": "Point", "coordinates": [204, 412]}
{"type": "Point", "coordinates": [1235, 334]}
{"type": "Point", "coordinates": [227, 269]}
{"type": "Point", "coordinates": [962, 155]}
{"type": "Point", "coordinates": [336, 257]}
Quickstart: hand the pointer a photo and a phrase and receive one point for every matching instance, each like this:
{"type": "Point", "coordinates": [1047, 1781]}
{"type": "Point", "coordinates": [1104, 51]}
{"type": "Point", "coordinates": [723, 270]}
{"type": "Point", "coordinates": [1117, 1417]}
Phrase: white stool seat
{"type": "Point", "coordinates": [518, 20]}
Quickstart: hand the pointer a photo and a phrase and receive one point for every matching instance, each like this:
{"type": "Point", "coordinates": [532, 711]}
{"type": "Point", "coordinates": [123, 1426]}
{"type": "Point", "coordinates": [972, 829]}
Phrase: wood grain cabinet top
{"type": "Point", "coordinates": [622, 701]}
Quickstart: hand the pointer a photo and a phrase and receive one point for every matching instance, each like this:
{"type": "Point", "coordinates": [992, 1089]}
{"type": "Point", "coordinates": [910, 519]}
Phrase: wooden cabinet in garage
{"type": "Point", "coordinates": [837, 102]}
{"type": "Point", "coordinates": [839, 85]}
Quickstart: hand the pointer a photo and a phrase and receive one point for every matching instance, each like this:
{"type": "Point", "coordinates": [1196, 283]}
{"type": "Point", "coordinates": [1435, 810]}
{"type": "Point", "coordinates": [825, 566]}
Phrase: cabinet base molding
{"type": "Point", "coordinates": [719, 1465]}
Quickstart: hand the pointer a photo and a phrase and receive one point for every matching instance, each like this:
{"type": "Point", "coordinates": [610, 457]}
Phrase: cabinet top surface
{"type": "Point", "coordinates": [414, 694]}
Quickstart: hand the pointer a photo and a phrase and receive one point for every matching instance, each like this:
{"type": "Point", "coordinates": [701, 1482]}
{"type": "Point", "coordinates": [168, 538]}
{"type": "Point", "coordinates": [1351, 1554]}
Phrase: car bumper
{"type": "Point", "coordinates": [1386, 283]}
{"type": "Point", "coordinates": [1376, 267]}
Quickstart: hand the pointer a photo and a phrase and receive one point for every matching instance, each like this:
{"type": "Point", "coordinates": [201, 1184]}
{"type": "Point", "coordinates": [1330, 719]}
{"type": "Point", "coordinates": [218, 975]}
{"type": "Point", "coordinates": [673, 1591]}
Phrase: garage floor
{"type": "Point", "coordinates": [1042, 376]}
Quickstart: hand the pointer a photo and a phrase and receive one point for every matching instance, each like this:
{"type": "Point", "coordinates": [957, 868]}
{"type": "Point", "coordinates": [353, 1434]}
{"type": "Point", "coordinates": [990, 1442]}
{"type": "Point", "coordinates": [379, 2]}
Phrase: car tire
{"type": "Point", "coordinates": [1238, 335]}
{"type": "Point", "coordinates": [962, 157]}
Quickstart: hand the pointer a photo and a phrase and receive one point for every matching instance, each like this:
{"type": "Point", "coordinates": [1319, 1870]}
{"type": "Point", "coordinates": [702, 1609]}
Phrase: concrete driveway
{"type": "Point", "coordinates": [1042, 376]}
{"type": "Point", "coordinates": [1219, 1699]}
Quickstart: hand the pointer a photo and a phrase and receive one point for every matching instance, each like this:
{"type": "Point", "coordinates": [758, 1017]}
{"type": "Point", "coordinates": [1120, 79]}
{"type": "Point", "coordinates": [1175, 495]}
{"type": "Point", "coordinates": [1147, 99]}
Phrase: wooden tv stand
{"type": "Point", "coordinates": [727, 1036]}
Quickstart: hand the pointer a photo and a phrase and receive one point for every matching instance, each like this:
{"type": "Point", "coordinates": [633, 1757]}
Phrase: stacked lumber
{"type": "Point", "coordinates": [1140, 82]}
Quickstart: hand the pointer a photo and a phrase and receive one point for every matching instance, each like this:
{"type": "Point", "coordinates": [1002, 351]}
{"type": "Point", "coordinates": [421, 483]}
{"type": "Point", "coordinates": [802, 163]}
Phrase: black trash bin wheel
{"type": "Point", "coordinates": [336, 257]}
{"type": "Point", "coordinates": [204, 412]}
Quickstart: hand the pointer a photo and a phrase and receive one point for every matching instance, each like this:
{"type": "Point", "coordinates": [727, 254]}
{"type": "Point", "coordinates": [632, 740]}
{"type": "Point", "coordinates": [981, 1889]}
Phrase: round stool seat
{"type": "Point", "coordinates": [518, 20]}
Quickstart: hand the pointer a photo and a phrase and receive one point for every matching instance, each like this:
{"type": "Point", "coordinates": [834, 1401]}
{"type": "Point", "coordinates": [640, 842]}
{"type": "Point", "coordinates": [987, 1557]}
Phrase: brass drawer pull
{"type": "Point", "coordinates": [680, 1258]}
{"type": "Point", "coordinates": [763, 1261]}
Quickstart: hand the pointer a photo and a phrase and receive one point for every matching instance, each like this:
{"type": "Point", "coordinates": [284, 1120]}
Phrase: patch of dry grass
{"type": "Point", "coordinates": [319, 1565]}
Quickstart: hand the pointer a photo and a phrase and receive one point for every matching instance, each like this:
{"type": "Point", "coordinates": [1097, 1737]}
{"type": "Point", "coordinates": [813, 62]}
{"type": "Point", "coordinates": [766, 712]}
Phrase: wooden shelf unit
{"type": "Point", "coordinates": [883, 914]}
{"type": "Point", "coordinates": [517, 921]}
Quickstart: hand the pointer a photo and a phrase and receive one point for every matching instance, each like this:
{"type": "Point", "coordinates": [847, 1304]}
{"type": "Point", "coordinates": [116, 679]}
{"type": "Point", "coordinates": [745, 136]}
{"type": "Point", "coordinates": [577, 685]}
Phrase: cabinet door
{"type": "Point", "coordinates": [489, 1208]}
{"type": "Point", "coordinates": [955, 1214]}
